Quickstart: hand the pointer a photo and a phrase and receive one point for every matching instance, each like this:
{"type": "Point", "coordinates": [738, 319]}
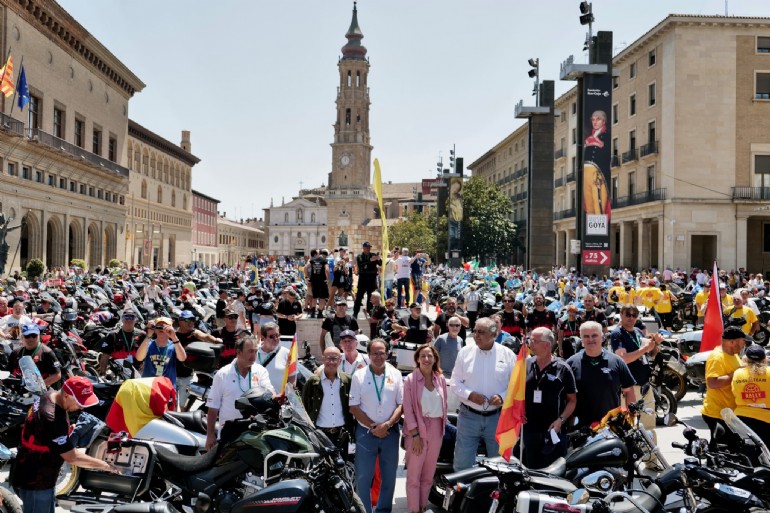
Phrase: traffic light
{"type": "Point", "coordinates": [452, 160]}
{"type": "Point", "coordinates": [535, 71]}
{"type": "Point", "coordinates": [586, 13]}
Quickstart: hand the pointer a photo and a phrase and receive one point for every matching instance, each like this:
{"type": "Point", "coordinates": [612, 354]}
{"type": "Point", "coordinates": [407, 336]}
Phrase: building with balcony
{"type": "Point", "coordinates": [204, 228]}
{"type": "Point", "coordinates": [690, 148]}
{"type": "Point", "coordinates": [239, 240]}
{"type": "Point", "coordinates": [63, 169]}
{"type": "Point", "coordinates": [159, 221]}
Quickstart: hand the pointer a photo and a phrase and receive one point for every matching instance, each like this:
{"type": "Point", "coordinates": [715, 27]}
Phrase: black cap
{"type": "Point", "coordinates": [367, 245]}
{"type": "Point", "coordinates": [734, 333]}
{"type": "Point", "coordinates": [755, 353]}
{"type": "Point", "coordinates": [415, 305]}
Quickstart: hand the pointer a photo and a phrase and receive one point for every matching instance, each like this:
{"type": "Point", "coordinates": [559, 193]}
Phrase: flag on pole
{"type": "Point", "coordinates": [378, 191]}
{"type": "Point", "coordinates": [22, 89]}
{"type": "Point", "coordinates": [512, 412]}
{"type": "Point", "coordinates": [6, 83]}
{"type": "Point", "coordinates": [712, 322]}
{"type": "Point", "coordinates": [291, 364]}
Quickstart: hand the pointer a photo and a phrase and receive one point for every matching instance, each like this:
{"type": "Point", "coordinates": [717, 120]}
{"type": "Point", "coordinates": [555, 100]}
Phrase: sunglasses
{"type": "Point", "coordinates": [273, 336]}
{"type": "Point", "coordinates": [129, 318]}
{"type": "Point", "coordinates": [231, 317]}
{"type": "Point", "coordinates": [507, 300]}
{"type": "Point", "coordinates": [33, 335]}
{"type": "Point", "coordinates": [631, 315]}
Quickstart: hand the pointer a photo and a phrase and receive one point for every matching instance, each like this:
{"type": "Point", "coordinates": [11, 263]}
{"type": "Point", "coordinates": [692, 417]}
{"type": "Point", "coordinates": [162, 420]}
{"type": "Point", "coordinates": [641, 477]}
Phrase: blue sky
{"type": "Point", "coordinates": [255, 81]}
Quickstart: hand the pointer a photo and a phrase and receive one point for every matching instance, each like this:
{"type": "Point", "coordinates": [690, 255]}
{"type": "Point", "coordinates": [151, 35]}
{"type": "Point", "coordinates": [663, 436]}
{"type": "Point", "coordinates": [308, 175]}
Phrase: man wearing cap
{"type": "Point", "coordinates": [337, 323]}
{"type": "Point", "coordinates": [228, 333]}
{"type": "Point", "coordinates": [187, 333]}
{"type": "Point", "coordinates": [352, 359]}
{"type": "Point", "coordinates": [160, 350]}
{"type": "Point", "coordinates": [44, 311]}
{"type": "Point", "coordinates": [741, 313]}
{"type": "Point", "coordinates": [288, 312]}
{"type": "Point", "coordinates": [45, 445]}
{"type": "Point", "coordinates": [231, 382]}
{"type": "Point", "coordinates": [122, 342]}
{"type": "Point", "coordinates": [720, 366]}
{"type": "Point", "coordinates": [253, 300]}
{"type": "Point", "coordinates": [368, 266]}
{"type": "Point", "coordinates": [318, 270]}
{"type": "Point", "coordinates": [416, 325]}
{"type": "Point", "coordinates": [10, 323]}
{"type": "Point", "coordinates": [43, 356]}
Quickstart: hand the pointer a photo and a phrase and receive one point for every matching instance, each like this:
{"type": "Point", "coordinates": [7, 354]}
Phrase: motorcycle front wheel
{"type": "Point", "coordinates": [676, 383]}
{"type": "Point", "coordinates": [67, 481]}
{"type": "Point", "coordinates": [11, 503]}
{"type": "Point", "coordinates": [437, 492]}
{"type": "Point", "coordinates": [665, 404]}
{"type": "Point", "coordinates": [760, 337]}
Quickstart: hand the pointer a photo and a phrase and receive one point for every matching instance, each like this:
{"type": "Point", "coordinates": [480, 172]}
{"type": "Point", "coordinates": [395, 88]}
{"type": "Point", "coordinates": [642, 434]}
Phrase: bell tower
{"type": "Point", "coordinates": [350, 197]}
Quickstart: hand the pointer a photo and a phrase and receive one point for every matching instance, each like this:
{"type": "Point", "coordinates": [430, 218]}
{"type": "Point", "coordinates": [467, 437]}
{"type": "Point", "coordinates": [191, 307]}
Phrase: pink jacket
{"type": "Point", "coordinates": [413, 387]}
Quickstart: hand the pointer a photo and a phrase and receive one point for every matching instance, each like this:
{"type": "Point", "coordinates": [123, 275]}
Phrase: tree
{"type": "Point", "coordinates": [487, 231]}
{"type": "Point", "coordinates": [416, 231]}
{"type": "Point", "coordinates": [115, 263]}
{"type": "Point", "coordinates": [35, 268]}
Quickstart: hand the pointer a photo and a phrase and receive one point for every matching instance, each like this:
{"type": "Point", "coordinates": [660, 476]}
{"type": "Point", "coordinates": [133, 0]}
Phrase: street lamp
{"type": "Point", "coordinates": [587, 18]}
{"type": "Point", "coordinates": [535, 73]}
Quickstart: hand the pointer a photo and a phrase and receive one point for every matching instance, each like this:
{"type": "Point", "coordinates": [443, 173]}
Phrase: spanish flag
{"type": "Point", "coordinates": [139, 401]}
{"type": "Point", "coordinates": [512, 412]}
{"type": "Point", "coordinates": [7, 85]}
{"type": "Point", "coordinates": [291, 364]}
{"type": "Point", "coordinates": [713, 325]}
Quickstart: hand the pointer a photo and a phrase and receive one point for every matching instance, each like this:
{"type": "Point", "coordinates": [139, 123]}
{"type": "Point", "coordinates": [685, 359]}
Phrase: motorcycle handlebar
{"type": "Point", "coordinates": [679, 445]}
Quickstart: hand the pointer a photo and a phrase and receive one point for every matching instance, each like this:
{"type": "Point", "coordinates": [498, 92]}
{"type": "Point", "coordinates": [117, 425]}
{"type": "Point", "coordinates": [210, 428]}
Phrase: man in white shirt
{"type": "Point", "coordinates": [273, 357]}
{"type": "Point", "coordinates": [376, 398]}
{"type": "Point", "coordinates": [10, 324]}
{"type": "Point", "coordinates": [230, 383]}
{"type": "Point", "coordinates": [403, 273]}
{"type": "Point", "coordinates": [480, 379]}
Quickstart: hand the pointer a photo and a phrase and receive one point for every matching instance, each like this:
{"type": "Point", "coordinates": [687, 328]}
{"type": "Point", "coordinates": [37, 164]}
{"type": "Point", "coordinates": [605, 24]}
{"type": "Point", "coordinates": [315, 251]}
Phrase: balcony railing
{"type": "Point", "coordinates": [521, 224]}
{"type": "Point", "coordinates": [639, 198]}
{"type": "Point", "coordinates": [559, 154]}
{"type": "Point", "coordinates": [564, 214]}
{"type": "Point", "coordinates": [751, 193]}
{"type": "Point", "coordinates": [615, 161]}
{"type": "Point", "coordinates": [630, 156]}
{"type": "Point", "coordinates": [558, 182]}
{"type": "Point", "coordinates": [13, 125]}
{"type": "Point", "coordinates": [570, 177]}
{"type": "Point", "coordinates": [648, 149]}
{"type": "Point", "coordinates": [37, 135]}
{"type": "Point", "coordinates": [521, 172]}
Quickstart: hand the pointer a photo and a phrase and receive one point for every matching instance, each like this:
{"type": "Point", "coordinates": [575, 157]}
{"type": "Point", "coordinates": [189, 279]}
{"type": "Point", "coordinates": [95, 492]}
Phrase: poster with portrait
{"type": "Point", "coordinates": [455, 211]}
{"type": "Point", "coordinates": [597, 151]}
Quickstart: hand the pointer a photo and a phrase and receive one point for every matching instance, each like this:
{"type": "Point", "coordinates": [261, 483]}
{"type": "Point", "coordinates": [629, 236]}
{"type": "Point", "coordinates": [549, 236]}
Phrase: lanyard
{"type": "Point", "coordinates": [352, 365]}
{"type": "Point", "coordinates": [381, 387]}
{"type": "Point", "coordinates": [248, 383]}
{"type": "Point", "coordinates": [539, 377]}
{"type": "Point", "coordinates": [37, 348]}
{"type": "Point", "coordinates": [129, 342]}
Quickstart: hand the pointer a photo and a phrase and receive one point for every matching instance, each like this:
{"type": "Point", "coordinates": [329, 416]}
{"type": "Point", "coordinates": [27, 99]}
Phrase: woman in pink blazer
{"type": "Point", "coordinates": [425, 415]}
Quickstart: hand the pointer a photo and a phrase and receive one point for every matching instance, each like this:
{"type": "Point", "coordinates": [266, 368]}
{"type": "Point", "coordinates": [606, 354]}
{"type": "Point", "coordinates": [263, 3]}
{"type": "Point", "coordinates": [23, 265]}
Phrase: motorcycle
{"type": "Point", "coordinates": [665, 401]}
{"type": "Point", "coordinates": [9, 502]}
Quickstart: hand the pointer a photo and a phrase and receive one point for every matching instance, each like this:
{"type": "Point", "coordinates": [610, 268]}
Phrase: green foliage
{"type": "Point", "coordinates": [35, 267]}
{"type": "Point", "coordinates": [115, 263]}
{"type": "Point", "coordinates": [78, 262]}
{"type": "Point", "coordinates": [416, 231]}
{"type": "Point", "coordinates": [487, 231]}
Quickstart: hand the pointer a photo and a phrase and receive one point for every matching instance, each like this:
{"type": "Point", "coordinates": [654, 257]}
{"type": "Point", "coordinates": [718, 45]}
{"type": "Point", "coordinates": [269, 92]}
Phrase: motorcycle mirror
{"type": "Point", "coordinates": [575, 421]}
{"type": "Point", "coordinates": [578, 496]}
{"type": "Point", "coordinates": [665, 333]}
{"type": "Point", "coordinates": [645, 389]}
{"type": "Point", "coordinates": [670, 419]}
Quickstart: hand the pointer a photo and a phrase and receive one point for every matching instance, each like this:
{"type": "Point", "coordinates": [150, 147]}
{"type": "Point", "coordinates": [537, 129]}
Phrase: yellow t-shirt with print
{"type": "Point", "coordinates": [719, 364]}
{"type": "Point", "coordinates": [663, 305]}
{"type": "Point", "coordinates": [618, 291]}
{"type": "Point", "coordinates": [700, 299]}
{"type": "Point", "coordinates": [650, 296]}
{"type": "Point", "coordinates": [745, 313]}
{"type": "Point", "coordinates": [752, 394]}
{"type": "Point", "coordinates": [727, 301]}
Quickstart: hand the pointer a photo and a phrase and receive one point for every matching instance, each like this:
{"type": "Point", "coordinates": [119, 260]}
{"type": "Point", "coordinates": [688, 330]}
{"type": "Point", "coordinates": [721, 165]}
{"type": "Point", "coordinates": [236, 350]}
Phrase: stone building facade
{"type": "Point", "coordinates": [204, 233]}
{"type": "Point", "coordinates": [63, 169]}
{"type": "Point", "coordinates": [690, 148]}
{"type": "Point", "coordinates": [296, 227]}
{"type": "Point", "coordinates": [159, 201]}
{"type": "Point", "coordinates": [239, 240]}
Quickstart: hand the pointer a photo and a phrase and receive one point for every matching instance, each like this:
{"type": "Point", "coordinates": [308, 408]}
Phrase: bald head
{"type": "Point", "coordinates": [331, 360]}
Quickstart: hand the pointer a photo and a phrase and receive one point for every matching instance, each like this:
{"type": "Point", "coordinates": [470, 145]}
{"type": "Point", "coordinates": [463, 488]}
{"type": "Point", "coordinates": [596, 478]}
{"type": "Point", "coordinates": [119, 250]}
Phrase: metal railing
{"type": "Point", "coordinates": [521, 172]}
{"type": "Point", "coordinates": [648, 149]}
{"type": "Point", "coordinates": [639, 198]}
{"type": "Point", "coordinates": [629, 156]}
{"type": "Point", "coordinates": [614, 161]}
{"type": "Point", "coordinates": [10, 124]}
{"type": "Point", "coordinates": [564, 214]}
{"type": "Point", "coordinates": [571, 177]}
{"type": "Point", "coordinates": [559, 154]}
{"type": "Point", "coordinates": [751, 193]}
{"type": "Point", "coordinates": [46, 139]}
{"type": "Point", "coordinates": [558, 182]}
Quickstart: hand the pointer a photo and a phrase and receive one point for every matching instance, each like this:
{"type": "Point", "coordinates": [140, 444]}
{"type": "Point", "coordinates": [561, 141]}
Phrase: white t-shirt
{"type": "Point", "coordinates": [390, 270]}
{"type": "Point", "coordinates": [364, 395]}
{"type": "Point", "coordinates": [229, 385]}
{"type": "Point", "coordinates": [276, 367]}
{"type": "Point", "coordinates": [403, 267]}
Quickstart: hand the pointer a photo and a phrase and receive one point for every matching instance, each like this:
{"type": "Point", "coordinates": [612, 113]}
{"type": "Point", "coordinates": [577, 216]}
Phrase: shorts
{"type": "Point", "coordinates": [320, 290]}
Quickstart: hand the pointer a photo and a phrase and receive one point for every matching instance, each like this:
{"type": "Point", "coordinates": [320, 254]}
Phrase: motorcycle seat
{"type": "Point", "coordinates": [186, 464]}
{"type": "Point", "coordinates": [649, 501]}
{"type": "Point", "coordinates": [193, 421]}
{"type": "Point", "coordinates": [557, 468]}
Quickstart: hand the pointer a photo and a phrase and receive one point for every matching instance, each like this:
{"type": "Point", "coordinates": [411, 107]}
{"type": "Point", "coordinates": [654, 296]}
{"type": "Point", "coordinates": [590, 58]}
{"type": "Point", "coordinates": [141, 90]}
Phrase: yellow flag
{"type": "Point", "coordinates": [378, 191]}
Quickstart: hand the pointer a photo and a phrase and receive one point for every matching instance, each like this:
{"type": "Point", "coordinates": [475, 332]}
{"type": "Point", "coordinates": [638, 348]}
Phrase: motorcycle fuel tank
{"type": "Point", "coordinates": [290, 496]}
{"type": "Point", "coordinates": [610, 452]}
{"type": "Point", "coordinates": [162, 431]}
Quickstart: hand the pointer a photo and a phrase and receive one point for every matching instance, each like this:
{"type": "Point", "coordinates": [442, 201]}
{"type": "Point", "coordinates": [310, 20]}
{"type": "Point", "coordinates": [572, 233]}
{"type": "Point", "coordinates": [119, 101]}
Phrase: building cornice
{"type": "Point", "coordinates": [50, 19]}
{"type": "Point", "coordinates": [200, 194]}
{"type": "Point", "coordinates": [147, 136]}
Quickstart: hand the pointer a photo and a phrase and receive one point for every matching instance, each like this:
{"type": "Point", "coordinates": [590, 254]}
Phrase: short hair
{"type": "Point", "coordinates": [590, 326]}
{"type": "Point", "coordinates": [600, 114]}
{"type": "Point", "coordinates": [589, 296]}
{"type": "Point", "coordinates": [737, 295]}
{"type": "Point", "coordinates": [546, 333]}
{"type": "Point", "coordinates": [629, 308]}
{"type": "Point", "coordinates": [313, 252]}
{"type": "Point", "coordinates": [241, 337]}
{"type": "Point", "coordinates": [375, 293]}
{"type": "Point", "coordinates": [404, 251]}
{"type": "Point", "coordinates": [451, 298]}
{"type": "Point", "coordinates": [489, 324]}
{"type": "Point", "coordinates": [496, 317]}
{"type": "Point", "coordinates": [379, 340]}
{"type": "Point", "coordinates": [390, 301]}
{"type": "Point", "coordinates": [267, 327]}
{"type": "Point", "coordinates": [436, 357]}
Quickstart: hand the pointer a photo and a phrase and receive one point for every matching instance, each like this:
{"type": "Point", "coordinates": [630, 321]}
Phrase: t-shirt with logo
{"type": "Point", "coordinates": [403, 267]}
{"type": "Point", "coordinates": [44, 438]}
{"type": "Point", "coordinates": [160, 361]}
{"type": "Point", "coordinates": [318, 269]}
{"type": "Point", "coordinates": [752, 394]}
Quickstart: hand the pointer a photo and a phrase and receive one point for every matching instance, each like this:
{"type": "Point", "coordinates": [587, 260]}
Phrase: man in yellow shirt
{"type": "Point", "coordinates": [701, 300]}
{"type": "Point", "coordinates": [650, 294]}
{"type": "Point", "coordinates": [664, 307]}
{"type": "Point", "coordinates": [740, 311]}
{"type": "Point", "coordinates": [720, 366]}
{"type": "Point", "coordinates": [613, 295]}
{"type": "Point", "coordinates": [724, 297]}
{"type": "Point", "coordinates": [751, 389]}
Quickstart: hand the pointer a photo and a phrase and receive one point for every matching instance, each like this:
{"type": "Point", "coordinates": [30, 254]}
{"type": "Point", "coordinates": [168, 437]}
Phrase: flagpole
{"type": "Point", "coordinates": [16, 89]}
{"type": "Point", "coordinates": [2, 77]}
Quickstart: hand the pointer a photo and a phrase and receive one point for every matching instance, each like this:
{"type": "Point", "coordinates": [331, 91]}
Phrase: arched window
{"type": "Point", "coordinates": [350, 79]}
{"type": "Point", "coordinates": [312, 217]}
{"type": "Point", "coordinates": [358, 79]}
{"type": "Point", "coordinates": [173, 198]}
{"type": "Point", "coordinates": [184, 201]}
{"type": "Point", "coordinates": [286, 217]}
{"type": "Point", "coordinates": [160, 194]}
{"type": "Point", "coordinates": [347, 117]}
{"type": "Point", "coordinates": [300, 216]}
{"type": "Point", "coordinates": [144, 189]}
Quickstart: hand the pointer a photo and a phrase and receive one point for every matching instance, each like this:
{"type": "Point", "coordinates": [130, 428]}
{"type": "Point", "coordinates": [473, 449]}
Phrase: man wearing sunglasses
{"type": "Point", "coordinates": [228, 335]}
{"type": "Point", "coordinates": [273, 357]}
{"type": "Point", "coordinates": [41, 354]}
{"type": "Point", "coordinates": [122, 342]}
{"type": "Point", "coordinates": [450, 310]}
{"type": "Point", "coordinates": [185, 334]}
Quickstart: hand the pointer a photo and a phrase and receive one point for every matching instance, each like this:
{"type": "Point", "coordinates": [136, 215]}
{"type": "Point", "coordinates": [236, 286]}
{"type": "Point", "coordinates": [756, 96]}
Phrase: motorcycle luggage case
{"type": "Point", "coordinates": [202, 356]}
{"type": "Point", "coordinates": [282, 497]}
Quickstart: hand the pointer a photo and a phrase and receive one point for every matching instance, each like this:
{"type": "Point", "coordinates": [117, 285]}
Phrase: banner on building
{"type": "Point", "coordinates": [147, 247]}
{"type": "Point", "coordinates": [455, 211]}
{"type": "Point", "coordinates": [597, 152]}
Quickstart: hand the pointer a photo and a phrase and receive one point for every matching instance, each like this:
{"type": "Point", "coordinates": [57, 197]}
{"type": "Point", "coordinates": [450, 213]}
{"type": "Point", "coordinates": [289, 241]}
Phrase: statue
{"type": "Point", "coordinates": [4, 229]}
{"type": "Point", "coordinates": [343, 239]}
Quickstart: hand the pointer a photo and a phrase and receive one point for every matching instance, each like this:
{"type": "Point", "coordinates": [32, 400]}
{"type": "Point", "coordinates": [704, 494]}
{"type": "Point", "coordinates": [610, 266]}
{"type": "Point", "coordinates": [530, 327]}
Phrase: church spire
{"type": "Point", "coordinates": [354, 49]}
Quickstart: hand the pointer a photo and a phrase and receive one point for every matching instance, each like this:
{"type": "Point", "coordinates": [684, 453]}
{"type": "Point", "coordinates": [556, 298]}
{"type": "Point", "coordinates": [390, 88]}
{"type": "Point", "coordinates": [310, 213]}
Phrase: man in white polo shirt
{"type": "Point", "coordinates": [231, 382]}
{"type": "Point", "coordinates": [376, 397]}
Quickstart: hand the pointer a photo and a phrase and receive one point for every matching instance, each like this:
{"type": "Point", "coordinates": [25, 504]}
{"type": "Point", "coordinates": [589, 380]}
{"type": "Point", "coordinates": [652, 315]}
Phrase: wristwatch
{"type": "Point", "coordinates": [561, 419]}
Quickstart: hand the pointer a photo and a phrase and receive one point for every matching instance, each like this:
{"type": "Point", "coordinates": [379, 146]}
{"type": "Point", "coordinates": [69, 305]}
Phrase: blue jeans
{"type": "Point", "coordinates": [86, 428]}
{"type": "Point", "coordinates": [38, 501]}
{"type": "Point", "coordinates": [403, 282]}
{"type": "Point", "coordinates": [368, 447]}
{"type": "Point", "coordinates": [471, 430]}
{"type": "Point", "coordinates": [389, 288]}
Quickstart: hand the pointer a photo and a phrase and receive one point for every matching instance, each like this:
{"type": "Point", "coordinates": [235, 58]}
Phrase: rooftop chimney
{"type": "Point", "coordinates": [186, 146]}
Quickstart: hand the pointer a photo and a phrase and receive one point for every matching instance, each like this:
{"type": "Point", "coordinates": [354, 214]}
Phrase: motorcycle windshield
{"type": "Point", "coordinates": [299, 414]}
{"type": "Point", "coordinates": [744, 431]}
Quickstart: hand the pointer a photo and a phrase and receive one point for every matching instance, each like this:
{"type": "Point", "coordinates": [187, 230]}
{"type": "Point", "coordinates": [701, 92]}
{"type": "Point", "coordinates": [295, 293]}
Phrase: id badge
{"type": "Point", "coordinates": [538, 397]}
{"type": "Point", "coordinates": [351, 448]}
{"type": "Point", "coordinates": [379, 412]}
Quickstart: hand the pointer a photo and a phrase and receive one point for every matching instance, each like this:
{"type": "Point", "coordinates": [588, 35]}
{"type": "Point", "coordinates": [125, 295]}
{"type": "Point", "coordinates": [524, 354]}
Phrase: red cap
{"type": "Point", "coordinates": [82, 390]}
